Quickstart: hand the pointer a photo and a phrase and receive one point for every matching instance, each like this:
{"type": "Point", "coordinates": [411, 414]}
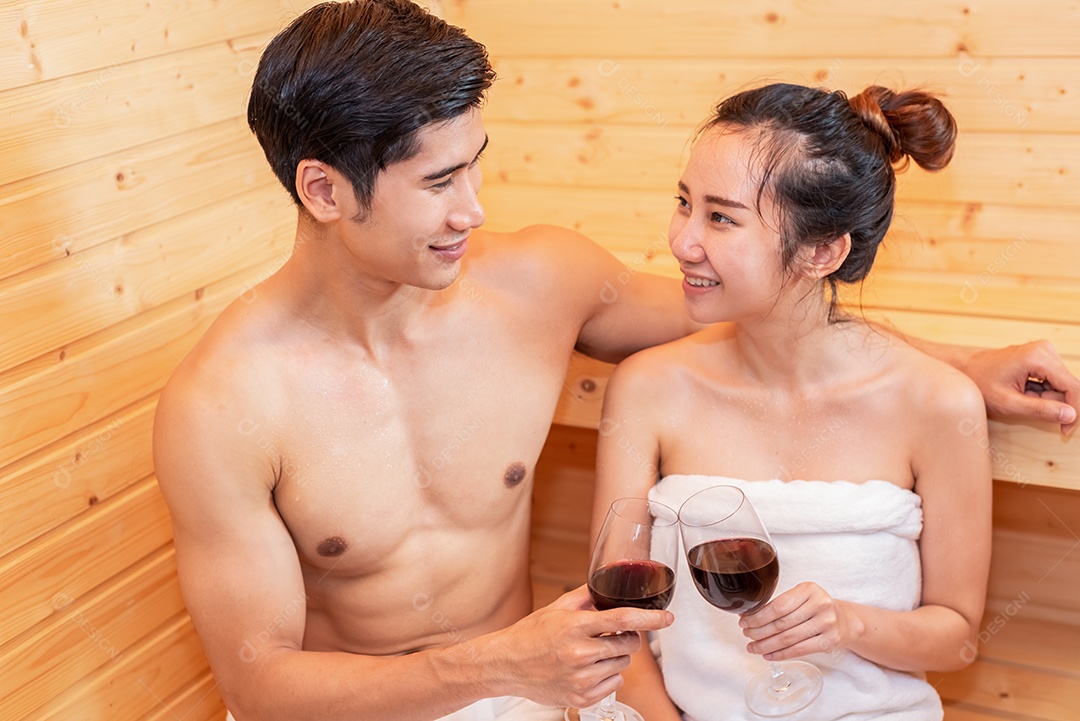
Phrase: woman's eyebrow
{"type": "Point", "coordinates": [715, 199]}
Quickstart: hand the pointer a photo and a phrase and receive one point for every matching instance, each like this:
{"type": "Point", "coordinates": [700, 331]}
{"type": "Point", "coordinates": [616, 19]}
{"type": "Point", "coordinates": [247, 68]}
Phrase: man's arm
{"type": "Point", "coordinates": [618, 310]}
{"type": "Point", "coordinates": [242, 584]}
{"type": "Point", "coordinates": [1028, 381]}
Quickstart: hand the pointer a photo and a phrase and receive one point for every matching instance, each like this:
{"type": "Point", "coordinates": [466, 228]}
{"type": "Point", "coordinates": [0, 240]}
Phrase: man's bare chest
{"type": "Point", "coordinates": [369, 463]}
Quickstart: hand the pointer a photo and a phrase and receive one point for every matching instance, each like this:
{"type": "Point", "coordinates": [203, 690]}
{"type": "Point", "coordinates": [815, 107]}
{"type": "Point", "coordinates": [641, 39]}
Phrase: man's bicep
{"type": "Point", "coordinates": [640, 311]}
{"type": "Point", "coordinates": [621, 309]}
{"type": "Point", "coordinates": [239, 571]}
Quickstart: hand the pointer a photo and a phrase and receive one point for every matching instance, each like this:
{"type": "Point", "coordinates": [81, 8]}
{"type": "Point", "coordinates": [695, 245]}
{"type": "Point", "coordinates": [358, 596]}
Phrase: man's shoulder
{"type": "Point", "coordinates": [543, 263]}
{"type": "Point", "coordinates": [543, 245]}
{"type": "Point", "coordinates": [230, 366]}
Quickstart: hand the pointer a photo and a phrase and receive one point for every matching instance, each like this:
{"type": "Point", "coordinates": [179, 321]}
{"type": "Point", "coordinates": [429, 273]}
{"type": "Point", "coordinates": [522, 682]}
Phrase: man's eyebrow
{"type": "Point", "coordinates": [715, 199]}
{"type": "Point", "coordinates": [447, 171]}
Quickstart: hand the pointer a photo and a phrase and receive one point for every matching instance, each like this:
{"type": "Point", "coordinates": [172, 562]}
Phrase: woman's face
{"type": "Point", "coordinates": [730, 256]}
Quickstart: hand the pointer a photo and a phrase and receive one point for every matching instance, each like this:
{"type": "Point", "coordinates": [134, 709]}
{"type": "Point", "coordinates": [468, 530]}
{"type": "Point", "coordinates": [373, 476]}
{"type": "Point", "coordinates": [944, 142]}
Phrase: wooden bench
{"type": "Point", "coordinates": [1028, 667]}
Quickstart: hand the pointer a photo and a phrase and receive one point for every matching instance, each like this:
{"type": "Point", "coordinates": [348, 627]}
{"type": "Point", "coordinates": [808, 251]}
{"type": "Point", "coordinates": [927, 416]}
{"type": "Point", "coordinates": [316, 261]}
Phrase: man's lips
{"type": "Point", "coordinates": [451, 251]}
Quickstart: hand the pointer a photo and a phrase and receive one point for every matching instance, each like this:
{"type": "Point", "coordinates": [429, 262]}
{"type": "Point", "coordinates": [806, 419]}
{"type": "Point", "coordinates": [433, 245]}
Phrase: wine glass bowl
{"type": "Point", "coordinates": [633, 561]}
{"type": "Point", "coordinates": [735, 568]}
{"type": "Point", "coordinates": [632, 565]}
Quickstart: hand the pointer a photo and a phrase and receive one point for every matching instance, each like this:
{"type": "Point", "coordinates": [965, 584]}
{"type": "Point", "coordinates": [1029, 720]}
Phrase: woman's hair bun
{"type": "Point", "coordinates": [911, 124]}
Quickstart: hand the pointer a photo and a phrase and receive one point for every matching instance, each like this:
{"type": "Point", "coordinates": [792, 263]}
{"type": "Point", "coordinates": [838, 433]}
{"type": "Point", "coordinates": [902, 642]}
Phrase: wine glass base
{"type": "Point", "coordinates": [622, 713]}
{"type": "Point", "coordinates": [802, 685]}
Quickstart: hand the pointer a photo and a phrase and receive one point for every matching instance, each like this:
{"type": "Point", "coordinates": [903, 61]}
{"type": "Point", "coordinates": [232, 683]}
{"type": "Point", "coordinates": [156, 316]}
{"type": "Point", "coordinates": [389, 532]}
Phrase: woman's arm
{"type": "Point", "coordinates": [628, 458]}
{"type": "Point", "coordinates": [952, 472]}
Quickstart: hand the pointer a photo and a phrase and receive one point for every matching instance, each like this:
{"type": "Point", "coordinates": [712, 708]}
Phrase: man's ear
{"type": "Point", "coordinates": [826, 258]}
{"type": "Point", "coordinates": [317, 184]}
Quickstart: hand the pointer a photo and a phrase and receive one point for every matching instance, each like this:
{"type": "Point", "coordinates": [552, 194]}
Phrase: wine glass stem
{"type": "Point", "coordinates": [607, 709]}
{"type": "Point", "coordinates": [780, 681]}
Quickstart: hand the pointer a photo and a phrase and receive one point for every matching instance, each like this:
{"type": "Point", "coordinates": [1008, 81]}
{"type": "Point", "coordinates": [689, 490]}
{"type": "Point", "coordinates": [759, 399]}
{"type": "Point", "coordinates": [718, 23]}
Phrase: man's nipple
{"type": "Point", "coordinates": [333, 546]}
{"type": "Point", "coordinates": [515, 474]}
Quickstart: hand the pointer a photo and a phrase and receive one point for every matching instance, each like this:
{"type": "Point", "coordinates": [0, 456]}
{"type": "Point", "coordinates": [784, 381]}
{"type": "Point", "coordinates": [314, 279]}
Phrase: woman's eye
{"type": "Point", "coordinates": [683, 203]}
{"type": "Point", "coordinates": [445, 184]}
{"type": "Point", "coordinates": [720, 218]}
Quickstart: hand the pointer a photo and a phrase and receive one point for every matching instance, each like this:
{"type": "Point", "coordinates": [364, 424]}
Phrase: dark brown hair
{"type": "Point", "coordinates": [827, 162]}
{"type": "Point", "coordinates": [351, 83]}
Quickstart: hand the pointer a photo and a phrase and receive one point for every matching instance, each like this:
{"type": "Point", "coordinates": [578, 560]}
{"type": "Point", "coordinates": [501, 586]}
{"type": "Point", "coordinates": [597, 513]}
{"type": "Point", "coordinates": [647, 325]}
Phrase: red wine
{"type": "Point", "coordinates": [639, 584]}
{"type": "Point", "coordinates": [735, 574]}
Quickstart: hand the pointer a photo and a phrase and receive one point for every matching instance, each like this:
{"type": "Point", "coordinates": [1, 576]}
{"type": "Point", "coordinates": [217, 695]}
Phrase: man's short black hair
{"type": "Point", "coordinates": [349, 84]}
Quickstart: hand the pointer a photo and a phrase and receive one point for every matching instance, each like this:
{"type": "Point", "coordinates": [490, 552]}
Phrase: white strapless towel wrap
{"type": "Point", "coordinates": [858, 541]}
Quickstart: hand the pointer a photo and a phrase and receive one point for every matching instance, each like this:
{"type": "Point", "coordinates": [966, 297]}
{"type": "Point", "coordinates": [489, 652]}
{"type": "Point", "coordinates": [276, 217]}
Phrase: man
{"type": "Point", "coordinates": [348, 454]}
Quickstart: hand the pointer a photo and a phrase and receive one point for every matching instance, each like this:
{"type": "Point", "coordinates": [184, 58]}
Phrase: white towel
{"type": "Point", "coordinates": [858, 541]}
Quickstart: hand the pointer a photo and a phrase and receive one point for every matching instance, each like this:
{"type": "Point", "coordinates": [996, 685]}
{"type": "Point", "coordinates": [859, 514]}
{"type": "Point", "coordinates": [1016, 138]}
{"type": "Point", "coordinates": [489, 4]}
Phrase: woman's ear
{"type": "Point", "coordinates": [826, 258]}
{"type": "Point", "coordinates": [317, 185]}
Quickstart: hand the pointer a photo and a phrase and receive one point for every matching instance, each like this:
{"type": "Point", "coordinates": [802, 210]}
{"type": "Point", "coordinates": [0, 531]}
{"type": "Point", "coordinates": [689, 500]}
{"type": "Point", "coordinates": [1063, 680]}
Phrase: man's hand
{"type": "Point", "coordinates": [1026, 381]}
{"type": "Point", "coordinates": [567, 653]}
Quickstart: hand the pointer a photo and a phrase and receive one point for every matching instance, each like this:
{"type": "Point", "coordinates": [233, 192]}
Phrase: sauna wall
{"type": "Point", "coordinates": [134, 205]}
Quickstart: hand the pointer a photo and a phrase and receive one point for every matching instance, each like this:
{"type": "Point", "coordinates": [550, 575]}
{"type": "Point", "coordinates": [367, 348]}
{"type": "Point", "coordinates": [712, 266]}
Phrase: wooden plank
{"type": "Point", "coordinates": [563, 490]}
{"type": "Point", "coordinates": [1036, 510]}
{"type": "Point", "coordinates": [43, 41]}
{"type": "Point", "coordinates": [44, 577]}
{"type": "Point", "coordinates": [995, 296]}
{"type": "Point", "coordinates": [57, 214]}
{"type": "Point", "coordinates": [1011, 689]}
{"type": "Point", "coordinates": [957, 711]}
{"type": "Point", "coordinates": [988, 94]}
{"type": "Point", "coordinates": [93, 378]}
{"type": "Point", "coordinates": [49, 488]}
{"type": "Point", "coordinates": [88, 634]}
{"type": "Point", "coordinates": [138, 682]}
{"type": "Point", "coordinates": [982, 239]}
{"type": "Point", "coordinates": [76, 296]}
{"type": "Point", "coordinates": [199, 701]}
{"type": "Point", "coordinates": [1034, 455]}
{"type": "Point", "coordinates": [783, 29]}
{"type": "Point", "coordinates": [987, 168]}
{"type": "Point", "coordinates": [980, 332]}
{"type": "Point", "coordinates": [72, 119]}
{"type": "Point", "coordinates": [1035, 575]}
{"type": "Point", "coordinates": [1016, 639]}
{"type": "Point", "coordinates": [559, 561]}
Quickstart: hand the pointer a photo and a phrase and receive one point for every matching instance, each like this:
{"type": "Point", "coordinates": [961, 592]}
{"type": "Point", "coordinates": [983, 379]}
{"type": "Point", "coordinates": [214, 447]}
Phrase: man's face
{"type": "Point", "coordinates": [425, 207]}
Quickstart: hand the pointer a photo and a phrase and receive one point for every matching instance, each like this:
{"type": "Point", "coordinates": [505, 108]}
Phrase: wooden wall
{"type": "Point", "coordinates": [134, 205]}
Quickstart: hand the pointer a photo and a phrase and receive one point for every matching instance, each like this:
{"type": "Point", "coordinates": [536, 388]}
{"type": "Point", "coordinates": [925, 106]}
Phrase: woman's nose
{"type": "Point", "coordinates": [685, 242]}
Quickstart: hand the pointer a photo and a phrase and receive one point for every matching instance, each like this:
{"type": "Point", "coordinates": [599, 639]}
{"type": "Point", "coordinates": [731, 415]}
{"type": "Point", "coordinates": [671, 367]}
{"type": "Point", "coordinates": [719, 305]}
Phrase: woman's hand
{"type": "Point", "coordinates": [799, 622]}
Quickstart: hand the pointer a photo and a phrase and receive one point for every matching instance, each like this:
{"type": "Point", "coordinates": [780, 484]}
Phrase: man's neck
{"type": "Point", "coordinates": [324, 288]}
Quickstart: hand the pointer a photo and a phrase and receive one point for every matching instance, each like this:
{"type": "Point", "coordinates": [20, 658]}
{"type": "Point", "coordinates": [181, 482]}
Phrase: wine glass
{"type": "Point", "coordinates": [633, 564]}
{"type": "Point", "coordinates": [735, 568]}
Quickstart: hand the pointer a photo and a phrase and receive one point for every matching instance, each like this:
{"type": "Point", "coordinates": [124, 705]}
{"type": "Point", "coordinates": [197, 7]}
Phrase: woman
{"type": "Point", "coordinates": [861, 455]}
